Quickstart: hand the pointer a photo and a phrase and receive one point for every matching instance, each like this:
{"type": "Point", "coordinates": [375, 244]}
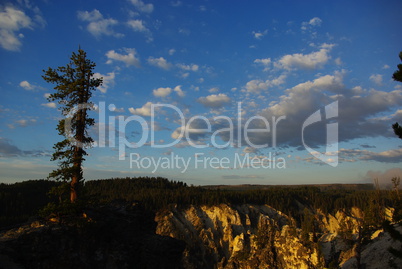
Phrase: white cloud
{"type": "Point", "coordinates": [159, 62]}
{"type": "Point", "coordinates": [259, 35]}
{"type": "Point", "coordinates": [392, 156]}
{"type": "Point", "coordinates": [265, 62]}
{"type": "Point", "coordinates": [172, 51]}
{"type": "Point", "coordinates": [315, 21]}
{"type": "Point", "coordinates": [313, 60]}
{"type": "Point", "coordinates": [213, 90]}
{"type": "Point", "coordinates": [142, 7]}
{"type": "Point", "coordinates": [312, 23]}
{"type": "Point", "coordinates": [94, 15]}
{"type": "Point", "coordinates": [185, 75]}
{"type": "Point", "coordinates": [258, 85]}
{"type": "Point", "coordinates": [388, 156]}
{"type": "Point", "coordinates": [137, 25]}
{"type": "Point", "coordinates": [190, 67]}
{"type": "Point", "coordinates": [49, 105]}
{"type": "Point", "coordinates": [108, 81]}
{"type": "Point", "coordinates": [145, 110]}
{"type": "Point", "coordinates": [359, 112]}
{"type": "Point", "coordinates": [22, 123]}
{"type": "Point", "coordinates": [12, 20]}
{"type": "Point", "coordinates": [129, 59]}
{"type": "Point", "coordinates": [179, 91]}
{"type": "Point", "coordinates": [376, 78]}
{"type": "Point", "coordinates": [214, 100]}
{"type": "Point", "coordinates": [386, 66]}
{"type": "Point", "coordinates": [162, 92]}
{"type": "Point", "coordinates": [98, 25]}
{"type": "Point", "coordinates": [26, 85]}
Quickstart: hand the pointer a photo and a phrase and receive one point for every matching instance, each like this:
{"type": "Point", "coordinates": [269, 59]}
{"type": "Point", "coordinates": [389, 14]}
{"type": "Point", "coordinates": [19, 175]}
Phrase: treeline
{"type": "Point", "coordinates": [19, 201]}
{"type": "Point", "coordinates": [158, 193]}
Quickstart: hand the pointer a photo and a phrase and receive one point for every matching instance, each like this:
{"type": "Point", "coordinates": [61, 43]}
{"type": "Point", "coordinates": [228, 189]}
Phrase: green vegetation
{"type": "Point", "coordinates": [75, 83]}
{"type": "Point", "coordinates": [21, 200]}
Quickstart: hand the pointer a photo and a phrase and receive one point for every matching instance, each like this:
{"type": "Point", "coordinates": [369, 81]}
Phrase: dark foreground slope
{"type": "Point", "coordinates": [198, 227]}
{"type": "Point", "coordinates": [118, 235]}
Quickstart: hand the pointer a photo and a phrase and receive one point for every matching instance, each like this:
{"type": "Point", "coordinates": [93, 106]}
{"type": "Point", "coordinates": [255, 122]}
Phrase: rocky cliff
{"type": "Point", "coordinates": [251, 236]}
{"type": "Point", "coordinates": [226, 236]}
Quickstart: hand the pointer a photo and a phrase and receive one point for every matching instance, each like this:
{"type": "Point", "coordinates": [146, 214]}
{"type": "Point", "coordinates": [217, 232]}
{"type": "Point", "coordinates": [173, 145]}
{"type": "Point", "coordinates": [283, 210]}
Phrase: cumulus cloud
{"type": "Point", "coordinates": [145, 110]}
{"type": "Point", "coordinates": [356, 114]}
{"type": "Point", "coordinates": [139, 26]}
{"type": "Point", "coordinates": [259, 34]}
{"type": "Point", "coordinates": [162, 92]}
{"type": "Point", "coordinates": [108, 81]}
{"type": "Point", "coordinates": [258, 85]}
{"type": "Point", "coordinates": [22, 123]}
{"type": "Point", "coordinates": [214, 100]}
{"type": "Point", "coordinates": [159, 62]}
{"type": "Point", "coordinates": [314, 22]}
{"type": "Point", "coordinates": [190, 67]}
{"type": "Point", "coordinates": [142, 7]}
{"type": "Point", "coordinates": [388, 156]}
{"type": "Point", "coordinates": [12, 21]}
{"type": "Point", "coordinates": [265, 62]}
{"type": "Point", "coordinates": [197, 130]}
{"type": "Point", "coordinates": [98, 25]}
{"type": "Point", "coordinates": [313, 60]}
{"type": "Point", "coordinates": [376, 78]}
{"type": "Point", "coordinates": [179, 91]}
{"type": "Point", "coordinates": [26, 85]}
{"type": "Point", "coordinates": [130, 58]}
{"type": "Point", "coordinates": [360, 115]}
{"type": "Point", "coordinates": [49, 105]}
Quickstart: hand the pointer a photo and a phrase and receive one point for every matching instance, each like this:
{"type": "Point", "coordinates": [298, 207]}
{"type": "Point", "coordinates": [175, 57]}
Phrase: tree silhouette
{"type": "Point", "coordinates": [74, 86]}
{"type": "Point", "coordinates": [397, 76]}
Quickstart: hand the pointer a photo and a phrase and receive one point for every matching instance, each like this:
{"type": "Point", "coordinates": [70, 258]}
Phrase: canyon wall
{"type": "Point", "coordinates": [251, 236]}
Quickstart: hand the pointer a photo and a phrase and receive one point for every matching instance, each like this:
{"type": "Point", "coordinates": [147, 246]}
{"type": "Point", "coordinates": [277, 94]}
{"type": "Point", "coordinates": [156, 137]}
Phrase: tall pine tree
{"type": "Point", "coordinates": [74, 87]}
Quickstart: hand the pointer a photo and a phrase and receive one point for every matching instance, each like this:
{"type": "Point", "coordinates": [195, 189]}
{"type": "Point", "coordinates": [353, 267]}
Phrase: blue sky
{"type": "Point", "coordinates": [277, 60]}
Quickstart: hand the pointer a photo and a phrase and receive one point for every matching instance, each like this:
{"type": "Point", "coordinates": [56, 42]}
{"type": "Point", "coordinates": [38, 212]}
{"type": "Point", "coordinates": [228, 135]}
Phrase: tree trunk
{"type": "Point", "coordinates": [73, 189]}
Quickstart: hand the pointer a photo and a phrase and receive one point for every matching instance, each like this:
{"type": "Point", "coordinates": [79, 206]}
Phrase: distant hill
{"type": "Point", "coordinates": [322, 187]}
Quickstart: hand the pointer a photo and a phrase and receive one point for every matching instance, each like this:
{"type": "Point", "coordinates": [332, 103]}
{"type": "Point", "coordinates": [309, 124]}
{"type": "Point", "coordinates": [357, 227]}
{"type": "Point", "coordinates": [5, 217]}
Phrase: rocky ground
{"type": "Point", "coordinates": [122, 235]}
{"type": "Point", "coordinates": [250, 236]}
{"type": "Point", "coordinates": [114, 236]}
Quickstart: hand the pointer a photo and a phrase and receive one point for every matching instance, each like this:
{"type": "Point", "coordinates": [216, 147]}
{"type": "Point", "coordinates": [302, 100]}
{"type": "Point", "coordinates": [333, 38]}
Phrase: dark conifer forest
{"type": "Point", "coordinates": [20, 201]}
